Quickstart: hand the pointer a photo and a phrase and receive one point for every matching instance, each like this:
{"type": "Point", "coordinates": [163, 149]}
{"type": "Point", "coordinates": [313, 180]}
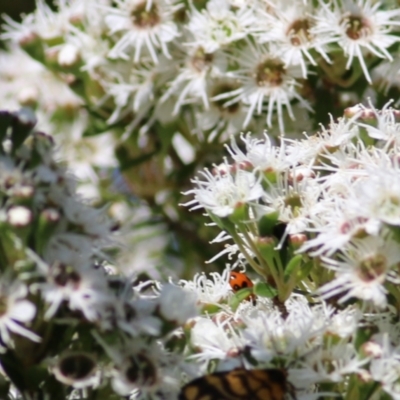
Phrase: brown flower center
{"type": "Point", "coordinates": [201, 59]}
{"type": "Point", "coordinates": [143, 18]}
{"type": "Point", "coordinates": [356, 27]}
{"type": "Point", "coordinates": [270, 73]}
{"type": "Point", "coordinates": [299, 32]}
{"type": "Point", "coordinates": [372, 267]}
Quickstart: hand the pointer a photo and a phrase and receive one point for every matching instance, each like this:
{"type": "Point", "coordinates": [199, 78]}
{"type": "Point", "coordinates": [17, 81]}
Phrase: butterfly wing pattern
{"type": "Point", "coordinates": [238, 384]}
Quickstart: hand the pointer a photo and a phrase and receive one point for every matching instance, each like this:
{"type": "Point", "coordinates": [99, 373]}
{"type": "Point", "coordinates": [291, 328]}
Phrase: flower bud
{"type": "Point", "coordinates": [68, 55]}
{"type": "Point", "coordinates": [19, 216]}
{"type": "Point", "coordinates": [47, 223]}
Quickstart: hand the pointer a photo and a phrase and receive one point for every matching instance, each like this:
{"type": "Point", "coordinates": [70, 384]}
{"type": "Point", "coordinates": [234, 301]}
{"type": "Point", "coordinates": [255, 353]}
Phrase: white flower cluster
{"type": "Point", "coordinates": [318, 345]}
{"type": "Point", "coordinates": [337, 194]}
{"type": "Point", "coordinates": [27, 83]}
{"type": "Point", "coordinates": [60, 309]}
{"type": "Point", "coordinates": [236, 64]}
{"type": "Point", "coordinates": [318, 220]}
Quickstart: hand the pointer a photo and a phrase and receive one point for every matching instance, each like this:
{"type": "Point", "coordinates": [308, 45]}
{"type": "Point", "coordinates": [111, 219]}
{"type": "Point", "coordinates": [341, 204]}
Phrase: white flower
{"type": "Point", "coordinates": [387, 128]}
{"type": "Point", "coordinates": [132, 86]}
{"type": "Point", "coordinates": [260, 154]}
{"type": "Point", "coordinates": [386, 74]}
{"type": "Point", "coordinates": [358, 27]}
{"type": "Point", "coordinates": [293, 200]}
{"type": "Point", "coordinates": [193, 80]}
{"type": "Point", "coordinates": [339, 134]}
{"type": "Point", "coordinates": [15, 311]}
{"type": "Point", "coordinates": [264, 77]}
{"type": "Point", "coordinates": [207, 290]}
{"type": "Point", "coordinates": [343, 323]}
{"type": "Point", "coordinates": [335, 233]}
{"type": "Point", "coordinates": [84, 289]}
{"type": "Point", "coordinates": [219, 24]}
{"type": "Point", "coordinates": [385, 368]}
{"type": "Point", "coordinates": [142, 23]}
{"type": "Point", "coordinates": [380, 192]}
{"type": "Point", "coordinates": [91, 222]}
{"type": "Point", "coordinates": [364, 267]}
{"type": "Point", "coordinates": [135, 316]}
{"type": "Point", "coordinates": [221, 121]}
{"type": "Point", "coordinates": [268, 334]}
{"type": "Point", "coordinates": [24, 81]}
{"type": "Point", "coordinates": [215, 340]}
{"type": "Point", "coordinates": [332, 362]}
{"type": "Point", "coordinates": [176, 304]}
{"type": "Point", "coordinates": [223, 192]}
{"type": "Point", "coordinates": [289, 24]}
{"type": "Point", "coordinates": [139, 364]}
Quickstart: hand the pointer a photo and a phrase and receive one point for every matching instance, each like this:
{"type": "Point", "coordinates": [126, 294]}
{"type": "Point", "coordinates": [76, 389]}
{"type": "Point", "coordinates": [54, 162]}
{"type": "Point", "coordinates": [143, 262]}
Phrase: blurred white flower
{"type": "Point", "coordinates": [260, 153]}
{"type": "Point", "coordinates": [359, 27]}
{"type": "Point", "coordinates": [141, 23]}
{"type": "Point", "coordinates": [385, 368]}
{"type": "Point", "coordinates": [25, 82]}
{"type": "Point", "coordinates": [289, 24]}
{"type": "Point", "coordinates": [209, 290]}
{"type": "Point", "coordinates": [264, 78]}
{"type": "Point", "coordinates": [220, 24]}
{"type": "Point", "coordinates": [177, 304]}
{"type": "Point", "coordinates": [83, 289]}
{"type": "Point", "coordinates": [222, 192]}
{"type": "Point", "coordinates": [194, 79]}
{"type": "Point", "coordinates": [362, 270]}
{"type": "Point", "coordinates": [216, 340]}
{"type": "Point", "coordinates": [16, 311]}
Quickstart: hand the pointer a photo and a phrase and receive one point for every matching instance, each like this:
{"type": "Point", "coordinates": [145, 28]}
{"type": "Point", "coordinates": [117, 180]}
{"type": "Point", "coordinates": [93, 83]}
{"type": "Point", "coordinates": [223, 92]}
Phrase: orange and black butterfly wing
{"type": "Point", "coordinates": [239, 384]}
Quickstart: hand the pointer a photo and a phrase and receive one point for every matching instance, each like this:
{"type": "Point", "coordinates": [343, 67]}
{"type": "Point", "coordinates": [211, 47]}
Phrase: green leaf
{"type": "Point", "coordinates": [210, 309]}
{"type": "Point", "coordinates": [166, 133]}
{"type": "Point", "coordinates": [266, 224]}
{"type": "Point", "coordinates": [240, 214]}
{"type": "Point", "coordinates": [305, 270]}
{"type": "Point", "coordinates": [292, 266]}
{"type": "Point", "coordinates": [14, 370]}
{"type": "Point", "coordinates": [239, 296]}
{"type": "Point", "coordinates": [262, 289]}
{"type": "Point", "coordinates": [34, 48]}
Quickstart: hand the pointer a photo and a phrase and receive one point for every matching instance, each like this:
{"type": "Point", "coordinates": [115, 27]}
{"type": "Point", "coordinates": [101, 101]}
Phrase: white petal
{"type": "Point", "coordinates": [22, 310]}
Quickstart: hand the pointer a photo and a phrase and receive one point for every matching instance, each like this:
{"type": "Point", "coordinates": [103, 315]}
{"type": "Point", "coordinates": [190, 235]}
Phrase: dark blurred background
{"type": "Point", "coordinates": [14, 8]}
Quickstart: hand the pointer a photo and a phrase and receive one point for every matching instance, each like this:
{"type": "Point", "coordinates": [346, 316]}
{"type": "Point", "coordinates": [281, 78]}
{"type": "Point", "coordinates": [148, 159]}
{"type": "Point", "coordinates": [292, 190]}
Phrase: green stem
{"type": "Point", "coordinates": [255, 250]}
{"type": "Point", "coordinates": [238, 240]}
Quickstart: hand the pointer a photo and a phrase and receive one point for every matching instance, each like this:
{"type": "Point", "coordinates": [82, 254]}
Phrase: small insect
{"type": "Point", "coordinates": [238, 281]}
{"type": "Point", "coordinates": [239, 384]}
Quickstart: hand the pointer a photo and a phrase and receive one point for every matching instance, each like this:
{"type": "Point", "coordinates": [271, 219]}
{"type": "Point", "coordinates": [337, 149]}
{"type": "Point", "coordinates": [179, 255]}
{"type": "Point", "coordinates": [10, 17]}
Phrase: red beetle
{"type": "Point", "coordinates": [238, 281]}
